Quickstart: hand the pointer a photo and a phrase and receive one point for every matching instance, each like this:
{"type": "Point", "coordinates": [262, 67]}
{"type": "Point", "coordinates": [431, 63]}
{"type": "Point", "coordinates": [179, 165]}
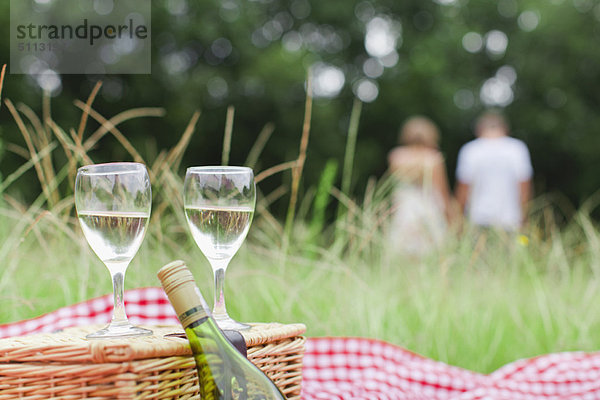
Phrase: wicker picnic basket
{"type": "Point", "coordinates": [64, 365]}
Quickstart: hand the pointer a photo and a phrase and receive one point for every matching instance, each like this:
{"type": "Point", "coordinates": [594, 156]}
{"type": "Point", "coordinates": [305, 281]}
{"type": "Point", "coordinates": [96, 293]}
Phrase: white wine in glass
{"type": "Point", "coordinates": [115, 237]}
{"type": "Point", "coordinates": [219, 232]}
{"type": "Point", "coordinates": [113, 206]}
{"type": "Point", "coordinates": [219, 206]}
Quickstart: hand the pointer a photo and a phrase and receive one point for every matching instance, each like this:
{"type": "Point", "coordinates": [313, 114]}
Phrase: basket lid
{"type": "Point", "coordinates": [69, 345]}
{"type": "Point", "coordinates": [262, 333]}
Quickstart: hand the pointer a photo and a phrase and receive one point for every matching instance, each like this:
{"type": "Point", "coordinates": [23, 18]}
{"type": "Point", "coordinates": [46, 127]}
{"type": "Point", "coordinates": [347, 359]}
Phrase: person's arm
{"type": "Point", "coordinates": [525, 181]}
{"type": "Point", "coordinates": [464, 177]}
{"type": "Point", "coordinates": [462, 195]}
{"type": "Point", "coordinates": [440, 184]}
{"type": "Point", "coordinates": [525, 194]}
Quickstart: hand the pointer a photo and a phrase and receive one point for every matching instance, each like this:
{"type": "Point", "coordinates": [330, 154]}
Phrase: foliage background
{"type": "Point", "coordinates": [255, 55]}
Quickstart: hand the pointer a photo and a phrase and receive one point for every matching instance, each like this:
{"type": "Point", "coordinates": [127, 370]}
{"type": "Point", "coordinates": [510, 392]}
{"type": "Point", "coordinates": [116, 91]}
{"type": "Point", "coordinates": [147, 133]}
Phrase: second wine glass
{"type": "Point", "coordinates": [219, 205]}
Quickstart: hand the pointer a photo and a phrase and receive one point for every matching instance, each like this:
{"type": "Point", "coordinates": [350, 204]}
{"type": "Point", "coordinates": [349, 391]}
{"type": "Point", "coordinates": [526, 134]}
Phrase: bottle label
{"type": "Point", "coordinates": [192, 315]}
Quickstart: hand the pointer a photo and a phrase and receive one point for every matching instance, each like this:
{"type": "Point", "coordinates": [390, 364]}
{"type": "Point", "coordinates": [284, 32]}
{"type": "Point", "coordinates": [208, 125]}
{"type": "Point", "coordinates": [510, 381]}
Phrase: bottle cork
{"type": "Point", "coordinates": [185, 297]}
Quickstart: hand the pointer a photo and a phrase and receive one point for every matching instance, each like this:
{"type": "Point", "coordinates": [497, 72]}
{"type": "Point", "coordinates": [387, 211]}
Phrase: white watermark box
{"type": "Point", "coordinates": [80, 36]}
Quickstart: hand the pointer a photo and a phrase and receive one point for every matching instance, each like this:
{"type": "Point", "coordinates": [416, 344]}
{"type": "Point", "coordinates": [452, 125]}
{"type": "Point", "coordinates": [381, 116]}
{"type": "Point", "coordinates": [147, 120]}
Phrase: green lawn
{"type": "Point", "coordinates": [476, 304]}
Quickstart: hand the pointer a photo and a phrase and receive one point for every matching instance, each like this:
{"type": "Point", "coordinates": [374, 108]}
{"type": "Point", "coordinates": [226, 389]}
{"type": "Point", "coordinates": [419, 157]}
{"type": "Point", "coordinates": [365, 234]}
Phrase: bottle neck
{"type": "Point", "coordinates": [189, 305]}
{"type": "Point", "coordinates": [185, 297]}
{"type": "Point", "coordinates": [198, 322]}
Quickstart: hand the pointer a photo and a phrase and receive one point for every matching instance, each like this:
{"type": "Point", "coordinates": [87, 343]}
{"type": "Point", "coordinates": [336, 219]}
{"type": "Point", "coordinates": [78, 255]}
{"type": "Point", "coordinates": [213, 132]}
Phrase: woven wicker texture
{"type": "Point", "coordinates": [64, 365]}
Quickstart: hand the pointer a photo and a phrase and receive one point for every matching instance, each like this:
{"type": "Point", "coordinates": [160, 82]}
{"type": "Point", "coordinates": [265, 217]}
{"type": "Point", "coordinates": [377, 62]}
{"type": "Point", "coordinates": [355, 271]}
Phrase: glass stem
{"type": "Point", "coordinates": [117, 273]}
{"type": "Point", "coordinates": [219, 308]}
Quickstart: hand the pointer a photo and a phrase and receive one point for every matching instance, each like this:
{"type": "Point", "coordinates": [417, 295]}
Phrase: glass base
{"type": "Point", "coordinates": [226, 323]}
{"type": "Point", "coordinates": [120, 330]}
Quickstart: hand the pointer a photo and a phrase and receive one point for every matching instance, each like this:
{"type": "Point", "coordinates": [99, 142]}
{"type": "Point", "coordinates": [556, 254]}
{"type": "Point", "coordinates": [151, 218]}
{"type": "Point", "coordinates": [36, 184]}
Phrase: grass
{"type": "Point", "coordinates": [471, 305]}
{"type": "Point", "coordinates": [479, 302]}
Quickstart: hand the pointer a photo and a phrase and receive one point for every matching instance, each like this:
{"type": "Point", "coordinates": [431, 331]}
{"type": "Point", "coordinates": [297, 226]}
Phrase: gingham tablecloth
{"type": "Point", "coordinates": [367, 369]}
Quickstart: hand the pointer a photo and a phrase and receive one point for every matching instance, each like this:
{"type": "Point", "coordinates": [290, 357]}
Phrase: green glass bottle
{"type": "Point", "coordinates": [223, 372]}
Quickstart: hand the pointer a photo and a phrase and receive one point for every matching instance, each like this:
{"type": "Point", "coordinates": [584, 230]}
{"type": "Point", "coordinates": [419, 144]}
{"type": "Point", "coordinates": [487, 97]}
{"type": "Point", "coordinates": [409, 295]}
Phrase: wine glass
{"type": "Point", "coordinates": [219, 205]}
{"type": "Point", "coordinates": [113, 206]}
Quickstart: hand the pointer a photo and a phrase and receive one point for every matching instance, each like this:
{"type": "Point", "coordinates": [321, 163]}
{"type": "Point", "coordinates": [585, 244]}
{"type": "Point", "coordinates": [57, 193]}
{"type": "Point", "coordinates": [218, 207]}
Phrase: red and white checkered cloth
{"type": "Point", "coordinates": [366, 369]}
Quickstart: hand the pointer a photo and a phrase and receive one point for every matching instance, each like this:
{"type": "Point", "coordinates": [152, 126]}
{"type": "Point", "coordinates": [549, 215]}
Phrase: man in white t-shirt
{"type": "Point", "coordinates": [494, 175]}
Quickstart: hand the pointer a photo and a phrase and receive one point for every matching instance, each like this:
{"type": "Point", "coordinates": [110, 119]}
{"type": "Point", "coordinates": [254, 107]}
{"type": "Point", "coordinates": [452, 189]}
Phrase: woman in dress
{"type": "Point", "coordinates": [421, 200]}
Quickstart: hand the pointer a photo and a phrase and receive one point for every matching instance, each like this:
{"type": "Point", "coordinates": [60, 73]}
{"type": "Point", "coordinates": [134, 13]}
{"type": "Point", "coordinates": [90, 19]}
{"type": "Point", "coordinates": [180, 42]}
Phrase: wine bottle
{"type": "Point", "coordinates": [223, 373]}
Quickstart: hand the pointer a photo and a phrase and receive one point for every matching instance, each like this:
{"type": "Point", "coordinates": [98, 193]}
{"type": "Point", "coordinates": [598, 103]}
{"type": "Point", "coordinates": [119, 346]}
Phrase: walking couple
{"type": "Point", "coordinates": [493, 182]}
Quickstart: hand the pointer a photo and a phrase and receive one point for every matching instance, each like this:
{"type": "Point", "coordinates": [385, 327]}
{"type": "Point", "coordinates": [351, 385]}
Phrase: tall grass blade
{"type": "Point", "coordinates": [74, 153]}
{"type": "Point", "coordinates": [26, 166]}
{"type": "Point", "coordinates": [86, 111]}
{"type": "Point", "coordinates": [175, 155]}
{"type": "Point", "coordinates": [164, 173]}
{"type": "Point", "coordinates": [2, 75]}
{"type": "Point", "coordinates": [297, 170]}
{"type": "Point", "coordinates": [29, 142]}
{"type": "Point", "coordinates": [42, 141]}
{"type": "Point", "coordinates": [322, 197]}
{"type": "Point", "coordinates": [112, 129]}
{"type": "Point", "coordinates": [275, 169]}
{"type": "Point", "coordinates": [350, 151]}
{"type": "Point", "coordinates": [18, 150]}
{"type": "Point", "coordinates": [259, 145]}
{"type": "Point", "coordinates": [227, 135]}
{"type": "Point", "coordinates": [117, 120]}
